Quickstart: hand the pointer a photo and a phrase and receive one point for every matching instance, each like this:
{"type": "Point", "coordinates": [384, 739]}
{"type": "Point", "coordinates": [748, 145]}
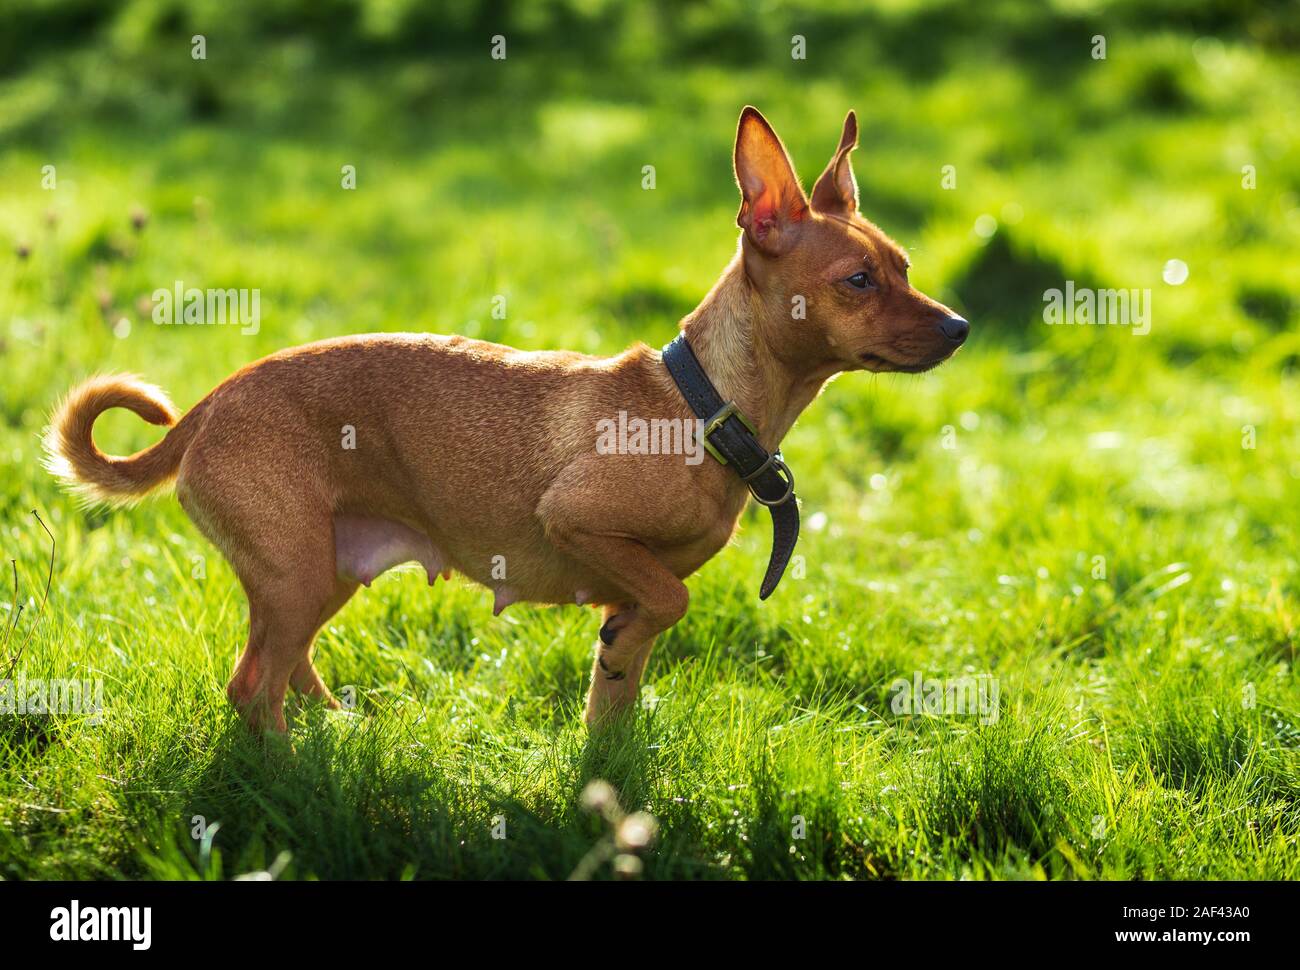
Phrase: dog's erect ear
{"type": "Point", "coordinates": [836, 192]}
{"type": "Point", "coordinates": [772, 202]}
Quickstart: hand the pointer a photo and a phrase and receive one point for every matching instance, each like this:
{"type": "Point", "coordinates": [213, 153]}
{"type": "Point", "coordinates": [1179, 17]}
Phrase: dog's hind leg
{"type": "Point", "coordinates": [280, 541]}
{"type": "Point", "coordinates": [305, 679]}
{"type": "Point", "coordinates": [285, 609]}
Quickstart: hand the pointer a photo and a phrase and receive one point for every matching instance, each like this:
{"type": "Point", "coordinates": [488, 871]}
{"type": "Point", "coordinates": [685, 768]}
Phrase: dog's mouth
{"type": "Point", "coordinates": [880, 365]}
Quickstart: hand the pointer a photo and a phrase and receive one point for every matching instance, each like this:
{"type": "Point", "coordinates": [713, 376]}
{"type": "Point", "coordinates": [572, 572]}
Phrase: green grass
{"type": "Point", "coordinates": [1068, 510]}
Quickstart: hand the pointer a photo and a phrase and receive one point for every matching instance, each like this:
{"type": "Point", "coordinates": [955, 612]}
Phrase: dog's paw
{"type": "Point", "coordinates": [610, 674]}
{"type": "Point", "coordinates": [609, 631]}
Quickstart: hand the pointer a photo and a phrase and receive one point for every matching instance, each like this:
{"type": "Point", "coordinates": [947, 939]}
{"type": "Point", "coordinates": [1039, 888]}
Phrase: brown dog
{"type": "Point", "coordinates": [478, 458]}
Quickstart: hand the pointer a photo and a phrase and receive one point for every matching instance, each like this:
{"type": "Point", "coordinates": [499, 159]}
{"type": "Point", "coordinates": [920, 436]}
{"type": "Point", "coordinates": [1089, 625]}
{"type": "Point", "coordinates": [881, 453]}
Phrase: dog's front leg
{"type": "Point", "coordinates": [617, 667]}
{"type": "Point", "coordinates": [654, 600]}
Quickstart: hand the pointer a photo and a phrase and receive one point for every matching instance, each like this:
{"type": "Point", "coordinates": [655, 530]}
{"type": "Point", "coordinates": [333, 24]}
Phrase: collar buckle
{"type": "Point", "coordinates": [728, 410]}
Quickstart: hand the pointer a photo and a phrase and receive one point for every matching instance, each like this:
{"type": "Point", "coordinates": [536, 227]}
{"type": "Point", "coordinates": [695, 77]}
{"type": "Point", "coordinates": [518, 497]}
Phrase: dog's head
{"type": "Point", "coordinates": [837, 284]}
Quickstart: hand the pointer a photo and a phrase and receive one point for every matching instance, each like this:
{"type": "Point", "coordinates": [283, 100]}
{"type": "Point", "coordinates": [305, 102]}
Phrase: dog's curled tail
{"type": "Point", "coordinates": [70, 449]}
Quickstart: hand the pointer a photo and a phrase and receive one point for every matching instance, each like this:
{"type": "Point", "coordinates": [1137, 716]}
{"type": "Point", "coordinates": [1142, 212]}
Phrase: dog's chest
{"type": "Point", "coordinates": [710, 535]}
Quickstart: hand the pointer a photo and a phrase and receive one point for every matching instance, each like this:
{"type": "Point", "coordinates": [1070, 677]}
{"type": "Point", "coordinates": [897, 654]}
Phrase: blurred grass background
{"type": "Point", "coordinates": [952, 521]}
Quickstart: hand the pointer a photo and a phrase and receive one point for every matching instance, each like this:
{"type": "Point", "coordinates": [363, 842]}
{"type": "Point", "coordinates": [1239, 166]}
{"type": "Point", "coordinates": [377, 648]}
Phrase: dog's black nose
{"type": "Point", "coordinates": [955, 329]}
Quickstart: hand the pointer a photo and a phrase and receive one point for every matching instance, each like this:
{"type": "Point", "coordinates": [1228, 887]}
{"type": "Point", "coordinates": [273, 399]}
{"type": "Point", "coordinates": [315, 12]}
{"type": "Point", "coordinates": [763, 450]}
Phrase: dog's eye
{"type": "Point", "coordinates": [859, 281]}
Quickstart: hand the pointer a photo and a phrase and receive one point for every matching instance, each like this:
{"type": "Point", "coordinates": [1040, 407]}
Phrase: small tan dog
{"type": "Point", "coordinates": [469, 455]}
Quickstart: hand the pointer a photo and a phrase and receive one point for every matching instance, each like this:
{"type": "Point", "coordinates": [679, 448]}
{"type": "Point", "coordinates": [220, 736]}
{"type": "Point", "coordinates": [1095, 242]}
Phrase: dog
{"type": "Point", "coordinates": [477, 458]}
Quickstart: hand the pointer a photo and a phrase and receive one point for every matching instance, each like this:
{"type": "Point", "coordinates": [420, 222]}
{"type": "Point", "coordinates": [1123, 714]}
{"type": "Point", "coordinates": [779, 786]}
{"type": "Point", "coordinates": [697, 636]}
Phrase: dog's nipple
{"type": "Point", "coordinates": [503, 598]}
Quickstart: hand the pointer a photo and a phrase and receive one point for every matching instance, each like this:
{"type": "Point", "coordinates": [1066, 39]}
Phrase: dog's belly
{"type": "Point", "coordinates": [365, 546]}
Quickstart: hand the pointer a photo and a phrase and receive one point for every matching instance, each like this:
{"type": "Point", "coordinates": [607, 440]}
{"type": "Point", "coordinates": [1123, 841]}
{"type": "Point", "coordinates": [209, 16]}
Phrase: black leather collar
{"type": "Point", "coordinates": [732, 440]}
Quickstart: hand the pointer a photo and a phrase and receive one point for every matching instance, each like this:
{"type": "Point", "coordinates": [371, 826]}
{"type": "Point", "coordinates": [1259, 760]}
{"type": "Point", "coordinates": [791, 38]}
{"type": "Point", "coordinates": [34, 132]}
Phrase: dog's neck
{"type": "Point", "coordinates": [728, 332]}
